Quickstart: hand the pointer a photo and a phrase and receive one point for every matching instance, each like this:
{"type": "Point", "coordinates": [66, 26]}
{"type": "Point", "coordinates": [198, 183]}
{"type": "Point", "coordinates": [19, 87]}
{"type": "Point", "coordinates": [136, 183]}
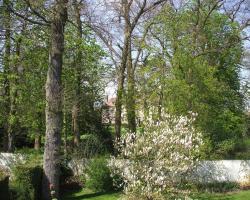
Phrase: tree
{"type": "Point", "coordinates": [6, 64]}
{"type": "Point", "coordinates": [20, 121]}
{"type": "Point", "coordinates": [154, 164]}
{"type": "Point", "coordinates": [76, 106]}
{"type": "Point", "coordinates": [204, 71]}
{"type": "Point", "coordinates": [32, 95]}
{"type": "Point", "coordinates": [13, 81]}
{"type": "Point", "coordinates": [125, 17]}
{"type": "Point", "coordinates": [53, 101]}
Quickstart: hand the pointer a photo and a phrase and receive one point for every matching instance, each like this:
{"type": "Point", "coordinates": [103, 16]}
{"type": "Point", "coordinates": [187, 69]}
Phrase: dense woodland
{"type": "Point", "coordinates": [164, 56]}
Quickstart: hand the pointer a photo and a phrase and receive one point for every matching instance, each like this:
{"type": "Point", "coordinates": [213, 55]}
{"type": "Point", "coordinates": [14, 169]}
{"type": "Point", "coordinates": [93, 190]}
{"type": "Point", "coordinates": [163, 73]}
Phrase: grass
{"type": "Point", "coordinates": [89, 195]}
{"type": "Point", "coordinates": [238, 195]}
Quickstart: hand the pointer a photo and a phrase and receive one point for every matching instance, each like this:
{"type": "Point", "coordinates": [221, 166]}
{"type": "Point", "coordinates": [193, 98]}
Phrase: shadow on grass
{"type": "Point", "coordinates": [86, 196]}
{"type": "Point", "coordinates": [213, 197]}
{"type": "Point", "coordinates": [69, 195]}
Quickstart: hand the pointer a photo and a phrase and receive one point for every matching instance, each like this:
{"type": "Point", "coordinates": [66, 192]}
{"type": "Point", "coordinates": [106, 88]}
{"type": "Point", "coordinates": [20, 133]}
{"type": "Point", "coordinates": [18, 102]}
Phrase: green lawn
{"type": "Point", "coordinates": [88, 194]}
{"type": "Point", "coordinates": [241, 195]}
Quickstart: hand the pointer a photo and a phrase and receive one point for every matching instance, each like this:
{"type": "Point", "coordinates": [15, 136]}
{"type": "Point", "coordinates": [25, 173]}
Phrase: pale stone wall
{"type": "Point", "coordinates": [206, 171]}
{"type": "Point", "coordinates": [9, 159]}
{"type": "Point", "coordinates": [223, 170]}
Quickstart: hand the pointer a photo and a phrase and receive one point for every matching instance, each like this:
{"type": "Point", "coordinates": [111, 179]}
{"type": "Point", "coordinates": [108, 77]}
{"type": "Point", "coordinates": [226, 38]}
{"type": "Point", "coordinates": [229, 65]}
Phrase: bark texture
{"type": "Point", "coordinates": [38, 131]}
{"type": "Point", "coordinates": [130, 93]}
{"type": "Point", "coordinates": [13, 83]}
{"type": "Point", "coordinates": [121, 71]}
{"type": "Point", "coordinates": [76, 106]}
{"type": "Point", "coordinates": [37, 142]}
{"type": "Point", "coordinates": [6, 65]}
{"type": "Point", "coordinates": [75, 124]}
{"type": "Point", "coordinates": [54, 102]}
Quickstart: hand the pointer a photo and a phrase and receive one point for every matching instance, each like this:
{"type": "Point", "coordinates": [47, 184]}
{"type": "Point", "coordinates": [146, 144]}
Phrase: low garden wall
{"type": "Point", "coordinates": [223, 171]}
{"type": "Point", "coordinates": [206, 171]}
{"type": "Point", "coordinates": [8, 159]}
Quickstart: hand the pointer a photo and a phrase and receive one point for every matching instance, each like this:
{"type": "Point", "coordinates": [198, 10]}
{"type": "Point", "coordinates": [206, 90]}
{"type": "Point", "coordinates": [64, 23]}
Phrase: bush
{"type": "Point", "coordinates": [158, 160]}
{"type": "Point", "coordinates": [217, 187]}
{"type": "Point", "coordinates": [4, 184]}
{"type": "Point", "coordinates": [67, 179]}
{"type": "Point", "coordinates": [65, 173]}
{"type": "Point", "coordinates": [4, 188]}
{"type": "Point", "coordinates": [98, 175]}
{"type": "Point", "coordinates": [27, 181]}
{"type": "Point", "coordinates": [91, 145]}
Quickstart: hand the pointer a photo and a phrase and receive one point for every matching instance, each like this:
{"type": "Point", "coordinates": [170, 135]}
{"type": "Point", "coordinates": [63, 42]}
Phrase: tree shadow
{"type": "Point", "coordinates": [85, 196]}
{"type": "Point", "coordinates": [213, 197]}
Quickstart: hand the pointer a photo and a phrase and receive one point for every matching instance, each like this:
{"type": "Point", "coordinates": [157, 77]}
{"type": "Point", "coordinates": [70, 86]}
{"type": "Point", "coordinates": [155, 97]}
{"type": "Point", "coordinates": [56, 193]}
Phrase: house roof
{"type": "Point", "coordinates": [111, 102]}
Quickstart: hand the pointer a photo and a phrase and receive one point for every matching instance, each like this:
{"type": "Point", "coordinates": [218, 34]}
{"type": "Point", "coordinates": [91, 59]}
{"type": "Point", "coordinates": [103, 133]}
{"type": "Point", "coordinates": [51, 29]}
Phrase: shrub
{"type": "Point", "coordinates": [155, 163]}
{"type": "Point", "coordinates": [4, 188]}
{"type": "Point", "coordinates": [67, 179]}
{"type": "Point", "coordinates": [90, 146]}
{"type": "Point", "coordinates": [27, 181]}
{"type": "Point", "coordinates": [65, 173]}
{"type": "Point", "coordinates": [4, 184]}
{"type": "Point", "coordinates": [217, 187]}
{"type": "Point", "coordinates": [98, 175]}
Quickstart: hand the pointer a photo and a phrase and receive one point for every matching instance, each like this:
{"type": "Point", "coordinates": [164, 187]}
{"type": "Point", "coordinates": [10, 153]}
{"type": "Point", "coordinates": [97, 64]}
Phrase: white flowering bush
{"type": "Point", "coordinates": [153, 164]}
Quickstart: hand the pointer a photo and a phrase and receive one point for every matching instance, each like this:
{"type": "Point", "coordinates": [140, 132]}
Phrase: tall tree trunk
{"type": "Point", "coordinates": [76, 106]}
{"type": "Point", "coordinates": [37, 142]}
{"type": "Point", "coordinates": [163, 70]}
{"type": "Point", "coordinates": [13, 119]}
{"type": "Point", "coordinates": [6, 65]}
{"type": "Point", "coordinates": [120, 88]}
{"type": "Point", "coordinates": [160, 104]}
{"type": "Point", "coordinates": [53, 102]}
{"type": "Point", "coordinates": [130, 92]}
{"type": "Point", "coordinates": [121, 72]}
{"type": "Point", "coordinates": [65, 131]}
{"type": "Point", "coordinates": [65, 127]}
{"type": "Point", "coordinates": [75, 125]}
{"type": "Point", "coordinates": [118, 103]}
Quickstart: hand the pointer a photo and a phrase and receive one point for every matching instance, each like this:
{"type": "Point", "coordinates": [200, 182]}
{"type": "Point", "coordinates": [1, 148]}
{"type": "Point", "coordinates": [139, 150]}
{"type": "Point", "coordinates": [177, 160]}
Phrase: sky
{"type": "Point", "coordinates": [110, 90]}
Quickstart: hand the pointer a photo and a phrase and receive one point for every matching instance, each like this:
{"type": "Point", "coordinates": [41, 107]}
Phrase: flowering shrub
{"type": "Point", "coordinates": [154, 164]}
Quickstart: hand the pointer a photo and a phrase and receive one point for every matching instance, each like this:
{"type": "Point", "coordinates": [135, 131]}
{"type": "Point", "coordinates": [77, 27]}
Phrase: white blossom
{"type": "Point", "coordinates": [156, 160]}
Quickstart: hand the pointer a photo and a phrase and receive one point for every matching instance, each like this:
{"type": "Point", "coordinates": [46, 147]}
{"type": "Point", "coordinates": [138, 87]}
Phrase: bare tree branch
{"type": "Point", "coordinates": [214, 7]}
{"type": "Point", "coordinates": [36, 12]}
{"type": "Point", "coordinates": [27, 18]}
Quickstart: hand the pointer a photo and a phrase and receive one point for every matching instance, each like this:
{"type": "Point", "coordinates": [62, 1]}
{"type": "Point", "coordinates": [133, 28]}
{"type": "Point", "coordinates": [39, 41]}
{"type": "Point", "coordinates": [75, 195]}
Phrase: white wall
{"type": "Point", "coordinates": [7, 160]}
{"type": "Point", "coordinates": [223, 170]}
{"type": "Point", "coordinates": [206, 171]}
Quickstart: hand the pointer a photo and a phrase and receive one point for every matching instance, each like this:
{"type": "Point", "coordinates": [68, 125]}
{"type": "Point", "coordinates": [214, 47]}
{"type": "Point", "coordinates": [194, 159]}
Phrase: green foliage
{"type": "Point", "coordinates": [242, 151]}
{"type": "Point", "coordinates": [200, 73]}
{"type": "Point", "coordinates": [31, 154]}
{"type": "Point", "coordinates": [27, 181]}
{"type": "Point", "coordinates": [92, 145]}
{"type": "Point", "coordinates": [82, 55]}
{"type": "Point", "coordinates": [65, 173]}
{"type": "Point", "coordinates": [219, 187]}
{"type": "Point", "coordinates": [98, 175]}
